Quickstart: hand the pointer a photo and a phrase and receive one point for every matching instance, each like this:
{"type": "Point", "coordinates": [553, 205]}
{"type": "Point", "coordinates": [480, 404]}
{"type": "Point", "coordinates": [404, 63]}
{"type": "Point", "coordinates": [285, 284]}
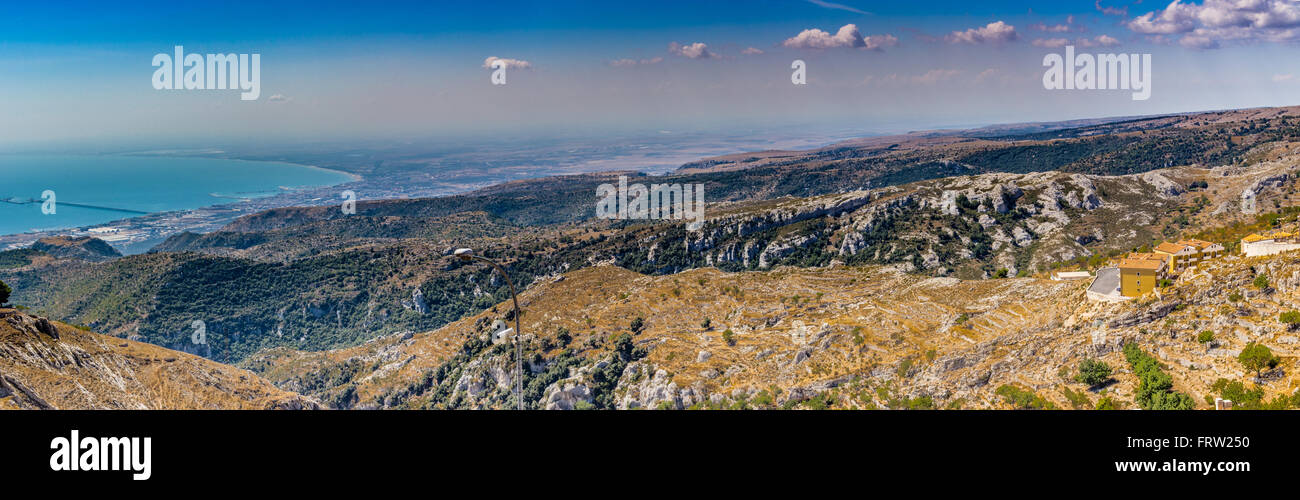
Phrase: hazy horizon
{"type": "Point", "coordinates": [412, 70]}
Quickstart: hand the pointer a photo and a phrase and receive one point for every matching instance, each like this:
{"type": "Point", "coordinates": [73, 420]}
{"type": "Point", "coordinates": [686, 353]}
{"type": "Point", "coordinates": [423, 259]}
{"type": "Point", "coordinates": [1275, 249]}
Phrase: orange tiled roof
{"type": "Point", "coordinates": [1141, 264]}
{"type": "Point", "coordinates": [1168, 247]}
{"type": "Point", "coordinates": [1253, 238]}
{"type": "Point", "coordinates": [1198, 244]}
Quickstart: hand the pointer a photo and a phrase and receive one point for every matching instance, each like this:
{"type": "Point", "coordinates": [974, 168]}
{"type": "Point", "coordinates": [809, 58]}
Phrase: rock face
{"type": "Point", "coordinates": [568, 393]}
{"type": "Point", "coordinates": [417, 302]}
{"type": "Point", "coordinates": [646, 386]}
{"type": "Point", "coordinates": [76, 247]}
{"type": "Point", "coordinates": [1035, 219]}
{"type": "Point", "coordinates": [47, 365]}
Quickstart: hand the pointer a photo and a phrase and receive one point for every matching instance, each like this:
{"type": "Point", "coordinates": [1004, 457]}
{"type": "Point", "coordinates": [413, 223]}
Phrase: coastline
{"type": "Point", "coordinates": [128, 232]}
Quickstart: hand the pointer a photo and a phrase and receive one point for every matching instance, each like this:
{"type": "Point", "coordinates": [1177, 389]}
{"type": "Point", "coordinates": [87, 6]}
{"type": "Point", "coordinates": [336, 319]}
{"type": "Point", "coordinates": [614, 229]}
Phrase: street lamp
{"type": "Point", "coordinates": [466, 255]}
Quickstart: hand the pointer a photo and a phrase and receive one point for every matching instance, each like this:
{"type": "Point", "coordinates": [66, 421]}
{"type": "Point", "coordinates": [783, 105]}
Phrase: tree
{"type": "Point", "coordinates": [1261, 282]}
{"type": "Point", "coordinates": [1257, 357]}
{"type": "Point", "coordinates": [1093, 372]}
{"type": "Point", "coordinates": [1291, 318]}
{"type": "Point", "coordinates": [4, 293]}
{"type": "Point", "coordinates": [637, 324]}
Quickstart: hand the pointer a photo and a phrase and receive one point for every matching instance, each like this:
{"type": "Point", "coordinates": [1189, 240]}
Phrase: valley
{"type": "Point", "coordinates": [898, 272]}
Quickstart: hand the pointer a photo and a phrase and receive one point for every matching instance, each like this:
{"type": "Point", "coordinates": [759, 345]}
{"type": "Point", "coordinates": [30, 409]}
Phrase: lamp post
{"type": "Point", "coordinates": [466, 255]}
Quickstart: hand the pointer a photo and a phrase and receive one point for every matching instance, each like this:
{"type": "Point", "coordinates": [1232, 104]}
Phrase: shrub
{"type": "Point", "coordinates": [637, 325]}
{"type": "Point", "coordinates": [1093, 372]}
{"type": "Point", "coordinates": [1022, 399]}
{"type": "Point", "coordinates": [1155, 387]}
{"type": "Point", "coordinates": [1291, 318]}
{"type": "Point", "coordinates": [1079, 400]}
{"type": "Point", "coordinates": [1261, 282]}
{"type": "Point", "coordinates": [729, 337]}
{"type": "Point", "coordinates": [706, 323]}
{"type": "Point", "coordinates": [904, 367]}
{"type": "Point", "coordinates": [1205, 337]}
{"type": "Point", "coordinates": [4, 293]}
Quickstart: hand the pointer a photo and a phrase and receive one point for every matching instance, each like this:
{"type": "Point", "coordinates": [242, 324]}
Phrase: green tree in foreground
{"type": "Point", "coordinates": [1256, 357]}
{"type": "Point", "coordinates": [1155, 387]}
{"type": "Point", "coordinates": [1093, 372]}
{"type": "Point", "coordinates": [4, 293]}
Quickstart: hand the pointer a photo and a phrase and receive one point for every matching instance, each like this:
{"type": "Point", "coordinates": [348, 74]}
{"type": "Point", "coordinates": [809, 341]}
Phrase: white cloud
{"type": "Point", "coordinates": [840, 6]}
{"type": "Point", "coordinates": [752, 51]}
{"type": "Point", "coordinates": [848, 36]}
{"type": "Point", "coordinates": [509, 63]}
{"type": "Point", "coordinates": [1056, 43]}
{"type": "Point", "coordinates": [1112, 11]}
{"type": "Point", "coordinates": [1058, 28]}
{"type": "Point", "coordinates": [1098, 41]}
{"type": "Point", "coordinates": [1207, 25]}
{"type": "Point", "coordinates": [995, 32]}
{"type": "Point", "coordinates": [697, 50]}
{"type": "Point", "coordinates": [1051, 43]}
{"type": "Point", "coordinates": [1283, 78]}
{"type": "Point", "coordinates": [635, 62]}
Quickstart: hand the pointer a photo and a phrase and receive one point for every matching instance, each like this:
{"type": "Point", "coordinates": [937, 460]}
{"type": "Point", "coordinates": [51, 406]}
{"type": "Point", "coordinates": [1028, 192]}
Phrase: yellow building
{"type": "Point", "coordinates": [1177, 256]}
{"type": "Point", "coordinates": [1204, 250]}
{"type": "Point", "coordinates": [1187, 253]}
{"type": "Point", "coordinates": [1140, 273]}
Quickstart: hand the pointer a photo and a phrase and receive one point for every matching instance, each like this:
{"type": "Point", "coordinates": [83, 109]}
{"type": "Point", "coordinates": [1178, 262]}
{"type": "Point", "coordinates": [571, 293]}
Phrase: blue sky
{"type": "Point", "coordinates": [80, 71]}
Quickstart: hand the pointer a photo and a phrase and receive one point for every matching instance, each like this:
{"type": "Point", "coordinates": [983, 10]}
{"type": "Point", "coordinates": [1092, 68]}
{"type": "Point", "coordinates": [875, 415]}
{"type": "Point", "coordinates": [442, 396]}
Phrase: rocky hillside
{"type": "Point", "coordinates": [341, 282]}
{"type": "Point", "coordinates": [838, 337]}
{"type": "Point", "coordinates": [76, 247]}
{"type": "Point", "coordinates": [49, 365]}
{"type": "Point", "coordinates": [967, 226]}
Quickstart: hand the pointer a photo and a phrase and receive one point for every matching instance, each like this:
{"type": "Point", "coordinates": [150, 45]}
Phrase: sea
{"type": "Point", "coordinates": [91, 190]}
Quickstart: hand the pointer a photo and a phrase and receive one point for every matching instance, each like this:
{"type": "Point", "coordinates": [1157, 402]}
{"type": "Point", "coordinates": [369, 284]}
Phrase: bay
{"type": "Point", "coordinates": [123, 186]}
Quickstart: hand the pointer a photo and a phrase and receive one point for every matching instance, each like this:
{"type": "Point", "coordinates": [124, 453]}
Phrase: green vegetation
{"type": "Point", "coordinates": [1078, 400]}
{"type": "Point", "coordinates": [1108, 403]}
{"type": "Point", "coordinates": [10, 259]}
{"type": "Point", "coordinates": [1205, 337]}
{"type": "Point", "coordinates": [1155, 387]}
{"type": "Point", "coordinates": [1291, 318]}
{"type": "Point", "coordinates": [1093, 373]}
{"type": "Point", "coordinates": [905, 367]}
{"type": "Point", "coordinates": [1256, 357]}
{"type": "Point", "coordinates": [1261, 282]}
{"type": "Point", "coordinates": [1023, 399]}
{"type": "Point", "coordinates": [4, 293]}
{"type": "Point", "coordinates": [1251, 399]}
{"type": "Point", "coordinates": [729, 337]}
